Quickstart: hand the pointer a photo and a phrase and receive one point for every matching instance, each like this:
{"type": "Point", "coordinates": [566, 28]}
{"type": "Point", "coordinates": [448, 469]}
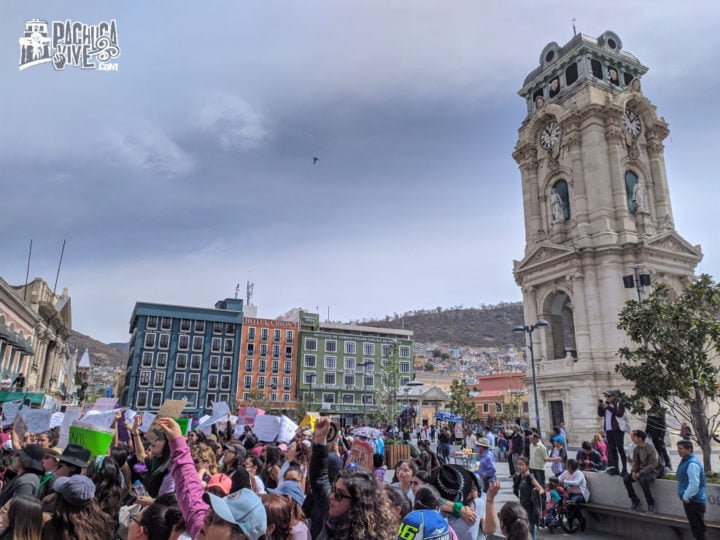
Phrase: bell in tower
{"type": "Point", "coordinates": [596, 203]}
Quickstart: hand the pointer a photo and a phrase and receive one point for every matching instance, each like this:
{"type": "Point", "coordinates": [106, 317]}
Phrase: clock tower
{"type": "Point", "coordinates": [597, 207]}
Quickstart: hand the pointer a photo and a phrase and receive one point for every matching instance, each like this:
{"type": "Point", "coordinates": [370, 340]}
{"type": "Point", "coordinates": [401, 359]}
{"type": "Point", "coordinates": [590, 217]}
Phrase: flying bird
{"type": "Point", "coordinates": [315, 160]}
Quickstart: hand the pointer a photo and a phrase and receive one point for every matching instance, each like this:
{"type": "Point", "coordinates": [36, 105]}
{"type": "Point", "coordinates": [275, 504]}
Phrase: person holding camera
{"type": "Point", "coordinates": [611, 409]}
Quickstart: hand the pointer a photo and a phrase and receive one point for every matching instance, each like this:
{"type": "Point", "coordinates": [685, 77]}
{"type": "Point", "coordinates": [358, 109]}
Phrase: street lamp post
{"type": "Point", "coordinates": [365, 365]}
{"type": "Point", "coordinates": [541, 323]}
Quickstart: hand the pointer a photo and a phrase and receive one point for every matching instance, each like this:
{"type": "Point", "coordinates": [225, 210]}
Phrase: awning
{"type": "Point", "coordinates": [36, 398]}
{"type": "Point", "coordinates": [16, 340]}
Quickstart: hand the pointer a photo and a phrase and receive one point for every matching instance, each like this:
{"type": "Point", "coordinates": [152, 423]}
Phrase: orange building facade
{"type": "Point", "coordinates": [501, 397]}
{"type": "Point", "coordinates": [268, 361]}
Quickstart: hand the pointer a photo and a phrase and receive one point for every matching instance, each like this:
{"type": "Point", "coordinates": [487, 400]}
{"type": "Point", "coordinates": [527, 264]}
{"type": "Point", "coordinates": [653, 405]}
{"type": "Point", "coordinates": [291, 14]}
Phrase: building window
{"type": "Point", "coordinates": [215, 363]}
{"type": "Point", "coordinates": [162, 360]}
{"type": "Point", "coordinates": [404, 381]}
{"type": "Point", "coordinates": [369, 381]}
{"type": "Point", "coordinates": [310, 344]}
{"type": "Point", "coordinates": [369, 365]}
{"type": "Point", "coordinates": [330, 378]}
{"type": "Point", "coordinates": [289, 335]}
{"type": "Point", "coordinates": [367, 399]}
{"type": "Point", "coordinates": [159, 379]}
{"type": "Point", "coordinates": [165, 323]}
{"type": "Point", "coordinates": [229, 345]}
{"type": "Point", "coordinates": [288, 368]}
{"type": "Point", "coordinates": [264, 332]}
{"type": "Point", "coordinates": [149, 340]}
{"type": "Point", "coordinates": [248, 365]}
{"type": "Point", "coordinates": [350, 347]}
{"type": "Point", "coordinates": [164, 341]}
{"type": "Point", "coordinates": [141, 400]}
{"type": "Point", "coordinates": [526, 407]}
{"type": "Point", "coordinates": [369, 349]}
{"type": "Point", "coordinates": [263, 349]}
{"type": "Point", "coordinates": [209, 400]}
{"type": "Point", "coordinates": [387, 350]}
{"type": "Point", "coordinates": [144, 377]}
{"type": "Point", "coordinates": [263, 365]}
{"type": "Point", "coordinates": [216, 344]}
{"type": "Point", "coordinates": [197, 344]}
{"type": "Point", "coordinates": [310, 361]}
{"type": "Point", "coordinates": [275, 366]}
{"type": "Point", "coordinates": [248, 382]}
{"type": "Point", "coordinates": [157, 399]}
{"type": "Point", "coordinates": [288, 351]}
{"type": "Point", "coordinates": [286, 397]}
{"type": "Point", "coordinates": [631, 180]}
{"type": "Point", "coordinates": [212, 381]}
{"type": "Point", "coordinates": [349, 362]}
{"type": "Point", "coordinates": [147, 359]}
{"type": "Point", "coordinates": [276, 351]}
{"type": "Point", "coordinates": [560, 196]}
{"type": "Point", "coordinates": [218, 328]}
{"type": "Point", "coordinates": [261, 382]}
{"type": "Point", "coordinates": [276, 334]}
{"type": "Point", "coordinates": [404, 352]}
{"type": "Point", "coordinates": [349, 399]}
{"type": "Point", "coordinates": [251, 333]}
{"type": "Point", "coordinates": [286, 383]}
{"type": "Point", "coordinates": [225, 382]}
{"type": "Point", "coordinates": [227, 363]}
{"type": "Point", "coordinates": [404, 367]}
{"type": "Point", "coordinates": [308, 377]}
{"type": "Point", "coordinates": [330, 362]}
{"type": "Point", "coordinates": [330, 346]}
{"type": "Point", "coordinates": [250, 349]}
{"type": "Point", "coordinates": [195, 361]}
{"type": "Point", "coordinates": [246, 396]}
{"type": "Point", "coordinates": [200, 327]}
{"type": "Point", "coordinates": [183, 342]}
{"type": "Point", "coordinates": [273, 397]}
{"type": "Point", "coordinates": [184, 325]}
{"type": "Point", "coordinates": [179, 380]}
{"type": "Point", "coordinates": [181, 361]}
{"type": "Point", "coordinates": [328, 398]}
{"type": "Point", "coordinates": [349, 379]}
{"type": "Point", "coordinates": [498, 407]}
{"type": "Point", "coordinates": [230, 328]}
{"type": "Point", "coordinates": [486, 408]}
{"type": "Point", "coordinates": [152, 322]}
{"type": "Point", "coordinates": [273, 383]}
{"type": "Point", "coordinates": [194, 380]}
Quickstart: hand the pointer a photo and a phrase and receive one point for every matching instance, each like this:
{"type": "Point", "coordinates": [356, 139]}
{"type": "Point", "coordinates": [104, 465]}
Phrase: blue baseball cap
{"type": "Point", "coordinates": [242, 508]}
{"type": "Point", "coordinates": [424, 525]}
{"type": "Point", "coordinates": [558, 438]}
{"type": "Point", "coordinates": [291, 489]}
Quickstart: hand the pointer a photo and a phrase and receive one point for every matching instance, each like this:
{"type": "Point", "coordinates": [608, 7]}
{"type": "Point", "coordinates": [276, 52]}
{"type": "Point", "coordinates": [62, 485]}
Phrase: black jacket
{"type": "Point", "coordinates": [317, 504]}
{"type": "Point", "coordinates": [617, 410]}
{"type": "Point", "coordinates": [518, 444]}
{"type": "Point", "coordinates": [656, 426]}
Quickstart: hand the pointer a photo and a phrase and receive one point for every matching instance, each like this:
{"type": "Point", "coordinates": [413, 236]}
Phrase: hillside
{"type": "Point", "coordinates": [487, 326]}
{"type": "Point", "coordinates": [100, 353]}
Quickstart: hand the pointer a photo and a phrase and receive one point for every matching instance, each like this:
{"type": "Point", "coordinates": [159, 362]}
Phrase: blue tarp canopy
{"type": "Point", "coordinates": [448, 417]}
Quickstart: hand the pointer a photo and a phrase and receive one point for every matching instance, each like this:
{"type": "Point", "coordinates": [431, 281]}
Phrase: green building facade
{"type": "Point", "coordinates": [343, 367]}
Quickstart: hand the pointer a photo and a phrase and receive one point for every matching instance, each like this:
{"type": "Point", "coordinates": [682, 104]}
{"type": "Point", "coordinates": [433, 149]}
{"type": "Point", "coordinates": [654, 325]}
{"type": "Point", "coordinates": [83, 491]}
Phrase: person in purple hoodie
{"type": "Point", "coordinates": [240, 515]}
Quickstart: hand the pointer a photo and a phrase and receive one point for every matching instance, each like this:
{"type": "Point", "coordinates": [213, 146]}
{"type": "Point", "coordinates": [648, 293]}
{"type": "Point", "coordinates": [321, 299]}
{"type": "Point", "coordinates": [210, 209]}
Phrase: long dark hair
{"type": "Point", "coordinates": [105, 474]}
{"type": "Point", "coordinates": [158, 468]}
{"type": "Point", "coordinates": [158, 520]}
{"type": "Point", "coordinates": [370, 515]}
{"type": "Point", "coordinates": [514, 521]}
{"type": "Point", "coordinates": [279, 513]}
{"type": "Point", "coordinates": [25, 518]}
{"type": "Point", "coordinates": [73, 522]}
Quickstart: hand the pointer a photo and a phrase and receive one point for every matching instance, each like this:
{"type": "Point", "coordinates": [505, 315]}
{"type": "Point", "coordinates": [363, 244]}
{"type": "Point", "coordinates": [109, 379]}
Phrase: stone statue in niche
{"type": "Point", "coordinates": [639, 197]}
{"type": "Point", "coordinates": [556, 206]}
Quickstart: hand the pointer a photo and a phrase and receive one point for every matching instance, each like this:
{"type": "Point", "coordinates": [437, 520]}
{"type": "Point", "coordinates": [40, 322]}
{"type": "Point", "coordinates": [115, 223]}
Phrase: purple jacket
{"type": "Point", "coordinates": [188, 489]}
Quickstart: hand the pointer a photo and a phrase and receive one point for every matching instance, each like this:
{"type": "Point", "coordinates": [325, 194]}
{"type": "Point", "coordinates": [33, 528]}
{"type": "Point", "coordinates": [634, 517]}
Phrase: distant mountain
{"type": "Point", "coordinates": [122, 347]}
{"type": "Point", "coordinates": [100, 353]}
{"type": "Point", "coordinates": [487, 326]}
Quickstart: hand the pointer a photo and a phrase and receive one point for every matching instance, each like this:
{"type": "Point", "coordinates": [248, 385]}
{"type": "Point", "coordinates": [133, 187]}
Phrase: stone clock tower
{"type": "Point", "coordinates": [596, 201]}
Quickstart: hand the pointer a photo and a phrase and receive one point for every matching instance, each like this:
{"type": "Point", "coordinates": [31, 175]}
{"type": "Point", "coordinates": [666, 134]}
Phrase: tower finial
{"type": "Point", "coordinates": [574, 31]}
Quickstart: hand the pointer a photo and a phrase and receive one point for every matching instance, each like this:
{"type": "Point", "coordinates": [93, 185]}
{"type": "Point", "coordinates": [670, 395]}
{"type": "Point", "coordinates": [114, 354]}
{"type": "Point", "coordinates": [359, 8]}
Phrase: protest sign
{"type": "Point", "coordinates": [247, 415]}
{"type": "Point", "coordinates": [36, 420]}
{"type": "Point", "coordinates": [130, 416]}
{"type": "Point", "coordinates": [19, 426]}
{"type": "Point", "coordinates": [308, 422]}
{"type": "Point", "coordinates": [94, 438]}
{"type": "Point", "coordinates": [361, 452]}
{"type": "Point", "coordinates": [172, 408]}
{"type": "Point", "coordinates": [106, 404]}
{"type": "Point", "coordinates": [57, 419]}
{"type": "Point", "coordinates": [184, 424]}
{"type": "Point", "coordinates": [100, 418]}
{"type": "Point", "coordinates": [148, 420]}
{"type": "Point", "coordinates": [274, 428]}
{"type": "Point", "coordinates": [220, 408]}
{"type": "Point", "coordinates": [10, 409]}
{"type": "Point", "coordinates": [71, 415]}
{"type": "Point", "coordinates": [288, 429]}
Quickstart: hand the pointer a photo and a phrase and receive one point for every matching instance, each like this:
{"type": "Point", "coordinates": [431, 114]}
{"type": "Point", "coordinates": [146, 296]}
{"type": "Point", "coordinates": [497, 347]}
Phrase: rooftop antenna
{"type": "Point", "coordinates": [27, 274]}
{"type": "Point", "coordinates": [574, 31]}
{"type": "Point", "coordinates": [328, 318]}
{"type": "Point", "coordinates": [57, 276]}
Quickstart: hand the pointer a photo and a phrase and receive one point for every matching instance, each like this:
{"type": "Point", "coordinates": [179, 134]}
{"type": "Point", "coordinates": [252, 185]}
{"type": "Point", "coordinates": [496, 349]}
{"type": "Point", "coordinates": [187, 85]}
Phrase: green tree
{"type": "Point", "coordinates": [445, 356]}
{"type": "Point", "coordinates": [676, 338]}
{"type": "Point", "coordinates": [428, 366]}
{"type": "Point", "coordinates": [461, 404]}
{"type": "Point", "coordinates": [387, 384]}
{"type": "Point", "coordinates": [436, 353]}
{"type": "Point", "coordinates": [257, 399]}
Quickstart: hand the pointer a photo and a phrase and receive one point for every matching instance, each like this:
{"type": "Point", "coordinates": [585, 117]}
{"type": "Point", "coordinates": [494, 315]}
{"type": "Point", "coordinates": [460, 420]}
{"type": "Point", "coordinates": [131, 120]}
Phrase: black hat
{"type": "Point", "coordinates": [31, 458]}
{"type": "Point", "coordinates": [75, 455]}
{"type": "Point", "coordinates": [453, 482]}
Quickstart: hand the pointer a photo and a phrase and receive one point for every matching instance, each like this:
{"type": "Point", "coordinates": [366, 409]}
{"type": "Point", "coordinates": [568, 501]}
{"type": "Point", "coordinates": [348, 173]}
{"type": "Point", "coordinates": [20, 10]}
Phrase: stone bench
{"type": "Point", "coordinates": [609, 509]}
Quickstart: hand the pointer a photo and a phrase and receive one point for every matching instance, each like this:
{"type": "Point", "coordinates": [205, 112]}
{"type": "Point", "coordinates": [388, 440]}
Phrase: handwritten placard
{"type": "Point", "coordinates": [10, 409]}
{"type": "Point", "coordinates": [71, 415]}
{"type": "Point", "coordinates": [288, 429]}
{"type": "Point", "coordinates": [361, 452]}
{"type": "Point", "coordinates": [102, 419]}
{"type": "Point", "coordinates": [36, 420]}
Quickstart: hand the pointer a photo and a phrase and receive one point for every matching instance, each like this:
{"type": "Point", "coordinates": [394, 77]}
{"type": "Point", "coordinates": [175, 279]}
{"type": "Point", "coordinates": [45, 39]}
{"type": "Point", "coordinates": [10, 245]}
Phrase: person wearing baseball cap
{"type": "Point", "coordinates": [219, 484]}
{"type": "Point", "coordinates": [28, 466]}
{"type": "Point", "coordinates": [77, 513]}
{"type": "Point", "coordinates": [424, 525]}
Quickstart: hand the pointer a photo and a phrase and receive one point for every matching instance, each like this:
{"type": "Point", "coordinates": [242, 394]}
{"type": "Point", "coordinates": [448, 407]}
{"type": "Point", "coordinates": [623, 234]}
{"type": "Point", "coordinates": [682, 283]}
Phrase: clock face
{"type": "Point", "coordinates": [549, 135]}
{"type": "Point", "coordinates": [631, 122]}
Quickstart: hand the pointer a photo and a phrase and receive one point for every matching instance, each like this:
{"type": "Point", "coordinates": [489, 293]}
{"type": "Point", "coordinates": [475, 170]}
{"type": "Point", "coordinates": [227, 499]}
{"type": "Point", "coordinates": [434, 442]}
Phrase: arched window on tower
{"type": "Point", "coordinates": [561, 187]}
{"type": "Point", "coordinates": [630, 180]}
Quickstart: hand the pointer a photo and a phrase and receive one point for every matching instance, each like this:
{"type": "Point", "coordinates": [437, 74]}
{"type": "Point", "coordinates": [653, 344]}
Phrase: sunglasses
{"type": "Point", "coordinates": [339, 495]}
{"type": "Point", "coordinates": [416, 482]}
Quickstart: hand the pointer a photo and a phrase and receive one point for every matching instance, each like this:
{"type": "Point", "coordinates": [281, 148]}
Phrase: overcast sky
{"type": "Point", "coordinates": [190, 169]}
